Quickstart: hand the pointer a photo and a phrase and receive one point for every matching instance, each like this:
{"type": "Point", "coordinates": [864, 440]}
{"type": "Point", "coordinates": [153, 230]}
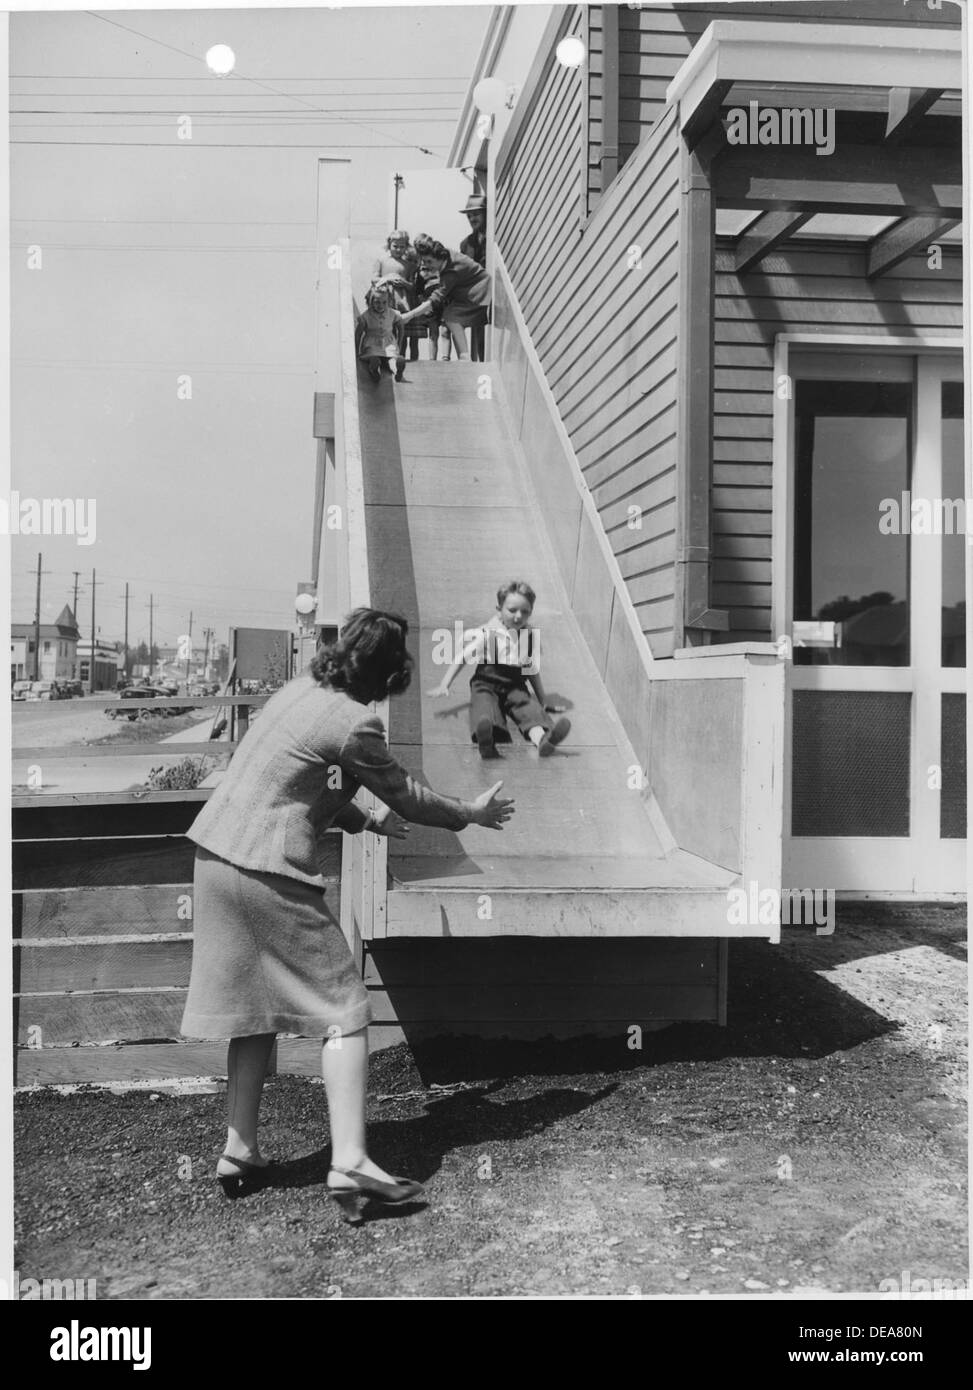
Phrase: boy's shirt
{"type": "Point", "coordinates": [492, 644]}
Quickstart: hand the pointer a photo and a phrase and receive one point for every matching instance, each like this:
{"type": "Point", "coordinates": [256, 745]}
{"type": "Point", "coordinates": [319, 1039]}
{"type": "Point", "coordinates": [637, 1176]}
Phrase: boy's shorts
{"type": "Point", "coordinates": [499, 692]}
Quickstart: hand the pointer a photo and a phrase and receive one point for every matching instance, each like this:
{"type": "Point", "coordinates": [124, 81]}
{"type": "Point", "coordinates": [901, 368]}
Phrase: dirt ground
{"type": "Point", "coordinates": [817, 1144]}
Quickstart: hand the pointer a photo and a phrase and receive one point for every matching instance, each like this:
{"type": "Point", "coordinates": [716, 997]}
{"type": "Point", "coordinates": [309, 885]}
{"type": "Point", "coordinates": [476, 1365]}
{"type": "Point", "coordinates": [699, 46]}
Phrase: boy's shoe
{"type": "Point", "coordinates": [484, 738]}
{"type": "Point", "coordinates": [400, 373]}
{"type": "Point", "coordinates": [553, 737]}
{"type": "Point", "coordinates": [374, 372]}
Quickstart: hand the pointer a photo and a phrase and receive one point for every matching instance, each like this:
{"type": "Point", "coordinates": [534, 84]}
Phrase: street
{"type": "Point", "coordinates": [38, 724]}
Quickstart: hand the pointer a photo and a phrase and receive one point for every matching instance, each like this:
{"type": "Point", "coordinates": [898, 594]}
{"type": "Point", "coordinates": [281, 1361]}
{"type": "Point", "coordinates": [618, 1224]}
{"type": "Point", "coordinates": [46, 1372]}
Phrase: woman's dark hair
{"type": "Point", "coordinates": [429, 246]}
{"type": "Point", "coordinates": [369, 660]}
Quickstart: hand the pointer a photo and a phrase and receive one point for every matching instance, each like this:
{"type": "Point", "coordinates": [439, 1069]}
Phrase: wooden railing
{"type": "Point", "coordinates": [102, 906]}
{"type": "Point", "coordinates": [102, 936]}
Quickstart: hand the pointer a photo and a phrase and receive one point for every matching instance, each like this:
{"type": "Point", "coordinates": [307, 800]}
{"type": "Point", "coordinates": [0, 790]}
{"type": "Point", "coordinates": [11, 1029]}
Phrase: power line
{"type": "Point", "coordinates": [229, 111]}
{"type": "Point", "coordinates": [256, 81]}
{"type": "Point", "coordinates": [230, 145]}
{"type": "Point", "coordinates": [132, 246]}
{"type": "Point", "coordinates": [82, 364]}
{"type": "Point", "coordinates": [161, 222]}
{"type": "Point", "coordinates": [165, 77]}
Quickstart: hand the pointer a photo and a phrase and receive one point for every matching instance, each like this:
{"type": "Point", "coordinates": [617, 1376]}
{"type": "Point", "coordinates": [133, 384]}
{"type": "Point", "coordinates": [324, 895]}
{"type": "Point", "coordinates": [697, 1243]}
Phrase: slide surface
{"type": "Point", "coordinates": [449, 517]}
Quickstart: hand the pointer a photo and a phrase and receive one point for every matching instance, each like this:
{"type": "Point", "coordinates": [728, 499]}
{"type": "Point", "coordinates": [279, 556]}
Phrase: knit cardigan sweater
{"type": "Point", "coordinates": [294, 775]}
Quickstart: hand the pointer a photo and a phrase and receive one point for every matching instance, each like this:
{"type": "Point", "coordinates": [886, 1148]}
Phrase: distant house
{"type": "Point", "coordinates": [109, 663]}
{"type": "Point", "coordinates": [57, 658]}
{"type": "Point", "coordinates": [727, 318]}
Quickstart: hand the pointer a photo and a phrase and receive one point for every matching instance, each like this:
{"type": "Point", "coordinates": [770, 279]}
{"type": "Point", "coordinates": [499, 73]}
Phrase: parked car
{"type": "Point", "coordinates": [76, 687]}
{"type": "Point", "coordinates": [43, 690]}
{"type": "Point", "coordinates": [19, 690]}
{"type": "Point", "coordinates": [135, 707]}
{"type": "Point", "coordinates": [65, 690]}
{"type": "Point", "coordinates": [137, 698]}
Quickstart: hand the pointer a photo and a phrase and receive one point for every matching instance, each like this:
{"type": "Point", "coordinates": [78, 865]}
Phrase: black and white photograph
{"type": "Point", "coordinates": [489, 550]}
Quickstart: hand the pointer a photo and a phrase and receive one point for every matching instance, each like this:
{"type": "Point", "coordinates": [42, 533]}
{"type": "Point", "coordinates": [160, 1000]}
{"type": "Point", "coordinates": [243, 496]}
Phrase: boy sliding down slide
{"type": "Point", "coordinates": [507, 680]}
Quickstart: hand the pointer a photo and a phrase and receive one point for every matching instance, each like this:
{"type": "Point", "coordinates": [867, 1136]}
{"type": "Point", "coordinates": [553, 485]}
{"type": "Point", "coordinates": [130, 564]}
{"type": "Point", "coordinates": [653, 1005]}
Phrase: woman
{"type": "Point", "coordinates": [269, 955]}
{"type": "Point", "coordinates": [463, 295]}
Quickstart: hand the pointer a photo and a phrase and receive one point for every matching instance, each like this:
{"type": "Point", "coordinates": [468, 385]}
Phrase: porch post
{"type": "Point", "coordinates": [695, 410]}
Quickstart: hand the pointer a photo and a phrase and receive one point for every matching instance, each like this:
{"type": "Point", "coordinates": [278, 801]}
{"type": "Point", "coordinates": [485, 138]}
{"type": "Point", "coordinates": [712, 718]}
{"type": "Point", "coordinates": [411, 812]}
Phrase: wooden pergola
{"type": "Point", "coordinates": [897, 114]}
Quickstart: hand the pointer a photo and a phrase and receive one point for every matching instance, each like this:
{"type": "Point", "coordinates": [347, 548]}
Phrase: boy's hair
{"type": "Point", "coordinates": [516, 586]}
{"type": "Point", "coordinates": [429, 246]}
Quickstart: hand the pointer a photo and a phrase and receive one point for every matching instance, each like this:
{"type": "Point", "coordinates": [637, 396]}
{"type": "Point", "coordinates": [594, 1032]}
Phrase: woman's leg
{"type": "Point", "coordinates": [246, 1069]}
{"type": "Point", "coordinates": [344, 1067]}
{"type": "Point", "coordinates": [458, 335]}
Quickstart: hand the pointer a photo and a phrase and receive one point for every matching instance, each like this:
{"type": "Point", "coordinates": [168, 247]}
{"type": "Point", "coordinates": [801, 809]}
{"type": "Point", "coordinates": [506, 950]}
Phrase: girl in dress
{"type": "Point", "coordinates": [379, 334]}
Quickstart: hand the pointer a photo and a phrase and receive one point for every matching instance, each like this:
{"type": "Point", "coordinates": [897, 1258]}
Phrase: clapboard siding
{"type": "Point", "coordinates": [802, 288]}
{"type": "Point", "coordinates": [601, 305]}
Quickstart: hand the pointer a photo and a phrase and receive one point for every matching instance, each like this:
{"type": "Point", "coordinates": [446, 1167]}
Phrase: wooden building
{"type": "Point", "coordinates": [728, 314]}
{"type": "Point", "coordinates": [57, 656]}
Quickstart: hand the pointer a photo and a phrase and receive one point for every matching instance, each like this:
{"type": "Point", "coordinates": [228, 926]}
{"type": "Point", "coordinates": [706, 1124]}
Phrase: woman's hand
{"type": "Point", "coordinates": [555, 709]}
{"type": "Point", "coordinates": [389, 824]}
{"type": "Point", "coordinates": [438, 693]}
{"type": "Point", "coordinates": [491, 810]}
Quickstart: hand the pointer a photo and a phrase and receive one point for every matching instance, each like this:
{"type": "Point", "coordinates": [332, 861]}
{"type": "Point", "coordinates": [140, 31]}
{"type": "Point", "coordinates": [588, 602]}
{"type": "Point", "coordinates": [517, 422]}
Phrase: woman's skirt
{"type": "Point", "coordinates": [269, 956]}
{"type": "Point", "coordinates": [460, 314]}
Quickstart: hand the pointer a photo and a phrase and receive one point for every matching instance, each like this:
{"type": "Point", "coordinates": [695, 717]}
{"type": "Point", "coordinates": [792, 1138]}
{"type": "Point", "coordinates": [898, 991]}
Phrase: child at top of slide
{"type": "Point", "coordinates": [506, 681]}
{"type": "Point", "coordinates": [379, 334]}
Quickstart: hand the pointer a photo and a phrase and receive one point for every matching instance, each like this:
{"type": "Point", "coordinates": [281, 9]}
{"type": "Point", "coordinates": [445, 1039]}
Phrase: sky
{"type": "Point", "coordinates": [165, 258]}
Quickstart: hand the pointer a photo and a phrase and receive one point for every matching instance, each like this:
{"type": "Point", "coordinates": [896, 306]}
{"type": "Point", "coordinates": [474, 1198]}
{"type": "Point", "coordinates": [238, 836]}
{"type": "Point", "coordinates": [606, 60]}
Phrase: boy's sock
{"type": "Point", "coordinates": [553, 737]}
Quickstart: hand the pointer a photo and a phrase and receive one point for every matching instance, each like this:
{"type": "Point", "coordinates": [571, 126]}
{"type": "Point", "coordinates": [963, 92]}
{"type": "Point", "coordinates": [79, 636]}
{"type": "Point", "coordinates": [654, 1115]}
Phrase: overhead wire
{"type": "Point", "coordinates": [287, 96]}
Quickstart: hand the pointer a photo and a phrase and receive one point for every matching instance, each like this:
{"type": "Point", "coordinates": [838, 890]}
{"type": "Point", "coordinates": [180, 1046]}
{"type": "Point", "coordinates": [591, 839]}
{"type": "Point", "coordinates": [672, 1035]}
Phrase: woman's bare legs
{"type": "Point", "coordinates": [344, 1067]}
{"type": "Point", "coordinates": [458, 336]}
{"type": "Point", "coordinates": [246, 1069]}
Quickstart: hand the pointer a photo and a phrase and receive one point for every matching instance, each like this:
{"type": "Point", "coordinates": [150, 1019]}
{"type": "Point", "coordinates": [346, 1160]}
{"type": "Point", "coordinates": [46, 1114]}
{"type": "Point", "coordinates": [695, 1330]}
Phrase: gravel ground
{"type": "Point", "coordinates": [815, 1145]}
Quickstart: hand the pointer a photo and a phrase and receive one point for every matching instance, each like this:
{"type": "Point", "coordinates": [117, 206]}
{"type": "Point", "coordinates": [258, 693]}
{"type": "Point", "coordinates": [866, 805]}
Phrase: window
{"type": "Point", "coordinates": [852, 451]}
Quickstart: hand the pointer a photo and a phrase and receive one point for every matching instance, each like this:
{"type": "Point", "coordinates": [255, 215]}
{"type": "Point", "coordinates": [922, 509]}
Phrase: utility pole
{"type": "Point", "coordinates": [37, 623]}
{"type": "Point", "coordinates": [126, 630]}
{"type": "Point", "coordinates": [94, 639]}
{"type": "Point", "coordinates": [206, 636]}
{"type": "Point", "coordinates": [189, 657]}
{"type": "Point", "coordinates": [74, 605]}
{"type": "Point", "coordinates": [151, 630]}
{"type": "Point", "coordinates": [399, 182]}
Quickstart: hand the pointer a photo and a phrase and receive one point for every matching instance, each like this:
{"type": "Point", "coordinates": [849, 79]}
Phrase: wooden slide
{"type": "Point", "coordinates": [449, 517]}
